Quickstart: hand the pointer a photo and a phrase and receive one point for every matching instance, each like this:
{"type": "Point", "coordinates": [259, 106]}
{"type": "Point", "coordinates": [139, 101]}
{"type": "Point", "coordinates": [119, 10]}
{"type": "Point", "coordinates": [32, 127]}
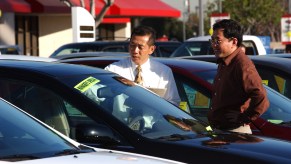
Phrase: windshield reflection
{"type": "Point", "coordinates": [142, 111]}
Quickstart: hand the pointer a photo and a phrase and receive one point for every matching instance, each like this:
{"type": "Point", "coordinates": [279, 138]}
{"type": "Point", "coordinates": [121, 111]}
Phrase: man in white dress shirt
{"type": "Point", "coordinates": [155, 75]}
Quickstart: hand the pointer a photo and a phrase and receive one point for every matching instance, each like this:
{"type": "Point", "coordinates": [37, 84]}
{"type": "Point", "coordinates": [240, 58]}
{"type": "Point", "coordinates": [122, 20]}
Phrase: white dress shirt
{"type": "Point", "coordinates": [154, 74]}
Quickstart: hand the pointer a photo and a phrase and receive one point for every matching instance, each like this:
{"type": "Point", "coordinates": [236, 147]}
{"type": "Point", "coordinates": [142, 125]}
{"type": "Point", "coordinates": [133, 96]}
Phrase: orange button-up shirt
{"type": "Point", "coordinates": [238, 89]}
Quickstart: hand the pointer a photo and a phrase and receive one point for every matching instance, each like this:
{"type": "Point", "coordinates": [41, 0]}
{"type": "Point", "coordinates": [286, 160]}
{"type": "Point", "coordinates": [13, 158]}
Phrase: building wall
{"type": "Point", "coordinates": [7, 26]}
{"type": "Point", "coordinates": [122, 31]}
{"type": "Point", "coordinates": [54, 31]}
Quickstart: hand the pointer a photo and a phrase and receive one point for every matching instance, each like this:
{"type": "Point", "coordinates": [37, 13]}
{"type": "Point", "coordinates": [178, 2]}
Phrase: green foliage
{"type": "Point", "coordinates": [258, 17]}
{"type": "Point", "coordinates": [171, 27]}
{"type": "Point", "coordinates": [256, 14]}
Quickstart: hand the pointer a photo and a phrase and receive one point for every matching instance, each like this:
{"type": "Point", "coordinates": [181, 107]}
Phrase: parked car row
{"type": "Point", "coordinates": [201, 46]}
{"type": "Point", "coordinates": [163, 48]}
{"type": "Point", "coordinates": [101, 109]}
{"type": "Point", "coordinates": [191, 47]}
{"type": "Point", "coordinates": [194, 78]}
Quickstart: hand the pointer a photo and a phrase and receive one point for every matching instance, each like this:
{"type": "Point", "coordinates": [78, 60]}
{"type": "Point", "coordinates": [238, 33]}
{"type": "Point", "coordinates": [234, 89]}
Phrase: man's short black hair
{"type": "Point", "coordinates": [145, 30]}
{"type": "Point", "coordinates": [231, 29]}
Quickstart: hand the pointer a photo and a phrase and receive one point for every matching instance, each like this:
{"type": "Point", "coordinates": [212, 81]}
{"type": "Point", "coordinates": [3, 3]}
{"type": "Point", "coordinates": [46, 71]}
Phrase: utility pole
{"type": "Point", "coordinates": [185, 16]}
{"type": "Point", "coordinates": [201, 19]}
{"type": "Point", "coordinates": [219, 6]}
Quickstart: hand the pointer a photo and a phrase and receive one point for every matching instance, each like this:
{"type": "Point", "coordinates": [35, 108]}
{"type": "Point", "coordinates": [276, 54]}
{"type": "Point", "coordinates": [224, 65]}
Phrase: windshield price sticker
{"type": "Point", "coordinates": [86, 84]}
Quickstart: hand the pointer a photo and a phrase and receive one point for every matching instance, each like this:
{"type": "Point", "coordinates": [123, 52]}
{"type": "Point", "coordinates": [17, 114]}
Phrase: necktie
{"type": "Point", "coordinates": [138, 78]}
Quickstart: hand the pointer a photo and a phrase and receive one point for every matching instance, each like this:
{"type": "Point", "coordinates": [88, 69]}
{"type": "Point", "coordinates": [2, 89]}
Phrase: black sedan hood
{"type": "Point", "coordinates": [237, 144]}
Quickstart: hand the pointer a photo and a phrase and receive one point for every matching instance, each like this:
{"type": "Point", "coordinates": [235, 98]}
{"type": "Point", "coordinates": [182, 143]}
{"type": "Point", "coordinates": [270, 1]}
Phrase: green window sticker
{"type": "Point", "coordinates": [275, 121]}
{"type": "Point", "coordinates": [86, 84]}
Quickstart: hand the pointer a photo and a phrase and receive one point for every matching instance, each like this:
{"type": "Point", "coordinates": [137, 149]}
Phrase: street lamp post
{"type": "Point", "coordinates": [201, 22]}
{"type": "Point", "coordinates": [185, 16]}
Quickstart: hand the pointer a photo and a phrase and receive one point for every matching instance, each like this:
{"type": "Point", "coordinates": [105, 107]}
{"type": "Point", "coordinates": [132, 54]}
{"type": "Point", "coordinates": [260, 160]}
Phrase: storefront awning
{"type": "Point", "coordinates": [16, 6]}
{"type": "Point", "coordinates": [115, 20]}
{"type": "Point", "coordinates": [151, 8]}
{"type": "Point", "coordinates": [120, 8]}
{"type": "Point", "coordinates": [48, 6]}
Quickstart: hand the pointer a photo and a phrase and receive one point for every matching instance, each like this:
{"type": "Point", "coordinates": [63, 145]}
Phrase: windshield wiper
{"type": "Point", "coordinates": [175, 137]}
{"type": "Point", "coordinates": [19, 157]}
{"type": "Point", "coordinates": [68, 152]}
{"type": "Point", "coordinates": [84, 148]}
{"type": "Point", "coordinates": [285, 123]}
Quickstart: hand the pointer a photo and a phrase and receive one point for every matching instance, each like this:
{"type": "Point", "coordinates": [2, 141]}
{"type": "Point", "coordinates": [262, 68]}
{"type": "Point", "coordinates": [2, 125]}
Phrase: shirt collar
{"type": "Point", "coordinates": [143, 66]}
{"type": "Point", "coordinates": [230, 57]}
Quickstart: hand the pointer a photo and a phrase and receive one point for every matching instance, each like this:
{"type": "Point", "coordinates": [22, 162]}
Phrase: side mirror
{"type": "Point", "coordinates": [93, 134]}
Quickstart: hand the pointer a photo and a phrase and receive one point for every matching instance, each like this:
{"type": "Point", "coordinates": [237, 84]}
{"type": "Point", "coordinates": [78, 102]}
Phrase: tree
{"type": "Point", "coordinates": [258, 17]}
{"type": "Point", "coordinates": [100, 16]}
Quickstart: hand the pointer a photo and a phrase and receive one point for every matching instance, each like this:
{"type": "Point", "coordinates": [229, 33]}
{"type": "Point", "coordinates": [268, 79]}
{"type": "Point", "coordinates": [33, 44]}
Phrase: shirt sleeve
{"type": "Point", "coordinates": [255, 90]}
{"type": "Point", "coordinates": [172, 94]}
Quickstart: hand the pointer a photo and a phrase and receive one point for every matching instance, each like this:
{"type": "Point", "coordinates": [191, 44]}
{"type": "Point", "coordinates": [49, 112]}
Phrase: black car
{"type": "Point", "coordinates": [102, 109]}
{"type": "Point", "coordinates": [163, 48]}
{"type": "Point", "coordinates": [10, 50]}
{"type": "Point", "coordinates": [281, 55]}
{"type": "Point", "coordinates": [274, 71]}
{"type": "Point", "coordinates": [195, 93]}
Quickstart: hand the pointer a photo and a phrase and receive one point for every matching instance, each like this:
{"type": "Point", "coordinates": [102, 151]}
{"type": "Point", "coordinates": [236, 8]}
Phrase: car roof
{"type": "Point", "coordinates": [125, 42]}
{"type": "Point", "coordinates": [54, 69]}
{"type": "Point", "coordinates": [26, 58]}
{"type": "Point", "coordinates": [96, 43]}
{"type": "Point", "coordinates": [188, 65]}
{"type": "Point", "coordinates": [281, 55]}
{"type": "Point", "coordinates": [90, 54]}
{"type": "Point", "coordinates": [284, 64]}
{"type": "Point", "coordinates": [207, 37]}
{"type": "Point", "coordinates": [261, 60]}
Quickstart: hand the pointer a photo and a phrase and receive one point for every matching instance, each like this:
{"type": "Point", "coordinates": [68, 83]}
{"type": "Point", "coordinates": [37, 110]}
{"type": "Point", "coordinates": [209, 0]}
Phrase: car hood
{"type": "Point", "coordinates": [99, 157]}
{"type": "Point", "coordinates": [241, 144]}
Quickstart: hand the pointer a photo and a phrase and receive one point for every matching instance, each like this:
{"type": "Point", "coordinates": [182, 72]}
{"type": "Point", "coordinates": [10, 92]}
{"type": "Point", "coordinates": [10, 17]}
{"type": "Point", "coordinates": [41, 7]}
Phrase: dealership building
{"type": "Point", "coordinates": [41, 26]}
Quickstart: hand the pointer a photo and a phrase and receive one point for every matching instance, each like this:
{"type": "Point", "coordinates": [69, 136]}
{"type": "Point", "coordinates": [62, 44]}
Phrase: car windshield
{"type": "Point", "coordinates": [22, 138]}
{"type": "Point", "coordinates": [199, 48]}
{"type": "Point", "coordinates": [279, 111]}
{"type": "Point", "coordinates": [137, 108]}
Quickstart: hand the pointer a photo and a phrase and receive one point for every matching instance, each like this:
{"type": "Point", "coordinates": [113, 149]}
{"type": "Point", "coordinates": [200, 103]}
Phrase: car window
{"type": "Point", "coordinates": [68, 51]}
{"type": "Point", "coordinates": [250, 47]}
{"type": "Point", "coordinates": [193, 99]}
{"type": "Point", "coordinates": [10, 50]}
{"type": "Point", "coordinates": [53, 110]}
{"type": "Point", "coordinates": [115, 49]}
{"type": "Point", "coordinates": [193, 48]}
{"type": "Point", "coordinates": [148, 115]}
{"type": "Point", "coordinates": [279, 110]}
{"type": "Point", "coordinates": [198, 101]}
{"type": "Point", "coordinates": [181, 51]}
{"type": "Point", "coordinates": [166, 50]}
{"type": "Point", "coordinates": [22, 138]}
{"type": "Point", "coordinates": [275, 79]}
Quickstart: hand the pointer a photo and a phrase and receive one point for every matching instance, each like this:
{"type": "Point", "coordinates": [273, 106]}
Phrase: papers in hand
{"type": "Point", "coordinates": [159, 91]}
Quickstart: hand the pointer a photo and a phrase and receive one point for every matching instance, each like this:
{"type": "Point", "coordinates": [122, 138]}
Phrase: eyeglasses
{"type": "Point", "coordinates": [217, 42]}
